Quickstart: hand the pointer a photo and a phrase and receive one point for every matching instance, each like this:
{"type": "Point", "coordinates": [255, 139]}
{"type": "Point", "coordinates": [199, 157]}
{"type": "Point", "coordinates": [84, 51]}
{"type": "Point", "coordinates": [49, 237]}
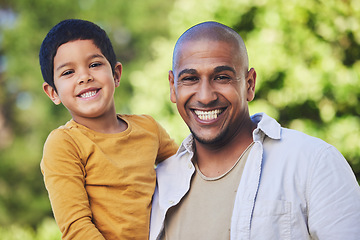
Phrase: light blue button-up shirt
{"type": "Point", "coordinates": [294, 186]}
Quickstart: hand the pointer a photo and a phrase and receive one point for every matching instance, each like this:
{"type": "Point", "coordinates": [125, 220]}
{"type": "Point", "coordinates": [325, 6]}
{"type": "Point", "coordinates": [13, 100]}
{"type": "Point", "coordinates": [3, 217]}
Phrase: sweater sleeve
{"type": "Point", "coordinates": [167, 145]}
{"type": "Point", "coordinates": [64, 174]}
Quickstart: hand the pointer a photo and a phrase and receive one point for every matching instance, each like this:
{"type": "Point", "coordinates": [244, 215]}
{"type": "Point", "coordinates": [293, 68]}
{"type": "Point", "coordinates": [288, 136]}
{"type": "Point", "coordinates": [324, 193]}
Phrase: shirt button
{"type": "Point", "coordinates": [171, 201]}
{"type": "Point", "coordinates": [190, 166]}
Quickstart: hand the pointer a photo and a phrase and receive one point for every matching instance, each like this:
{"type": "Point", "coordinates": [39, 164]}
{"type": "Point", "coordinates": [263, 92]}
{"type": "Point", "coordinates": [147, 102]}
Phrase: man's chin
{"type": "Point", "coordinates": [215, 140]}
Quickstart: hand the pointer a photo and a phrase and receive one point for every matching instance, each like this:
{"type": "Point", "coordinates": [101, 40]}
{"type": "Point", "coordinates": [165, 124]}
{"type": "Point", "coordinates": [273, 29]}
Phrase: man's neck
{"type": "Point", "coordinates": [213, 161]}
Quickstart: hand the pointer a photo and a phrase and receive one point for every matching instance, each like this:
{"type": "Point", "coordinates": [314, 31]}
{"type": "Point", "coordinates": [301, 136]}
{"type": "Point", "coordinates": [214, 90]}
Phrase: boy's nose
{"type": "Point", "coordinates": [85, 78]}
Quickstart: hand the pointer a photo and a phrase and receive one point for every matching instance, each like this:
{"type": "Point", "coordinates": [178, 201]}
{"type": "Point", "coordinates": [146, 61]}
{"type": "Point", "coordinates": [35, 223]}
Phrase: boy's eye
{"type": "Point", "coordinates": [96, 64]}
{"type": "Point", "coordinates": [67, 72]}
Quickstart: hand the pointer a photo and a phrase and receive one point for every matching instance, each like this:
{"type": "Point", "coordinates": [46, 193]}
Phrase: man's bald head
{"type": "Point", "coordinates": [212, 31]}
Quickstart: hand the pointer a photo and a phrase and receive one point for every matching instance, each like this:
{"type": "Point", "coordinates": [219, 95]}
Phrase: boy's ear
{"type": "Point", "coordinates": [117, 73]}
{"type": "Point", "coordinates": [50, 91]}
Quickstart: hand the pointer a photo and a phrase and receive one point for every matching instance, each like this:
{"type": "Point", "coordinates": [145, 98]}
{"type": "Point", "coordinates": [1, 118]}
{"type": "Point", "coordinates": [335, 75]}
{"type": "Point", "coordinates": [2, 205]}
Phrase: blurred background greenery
{"type": "Point", "coordinates": [306, 53]}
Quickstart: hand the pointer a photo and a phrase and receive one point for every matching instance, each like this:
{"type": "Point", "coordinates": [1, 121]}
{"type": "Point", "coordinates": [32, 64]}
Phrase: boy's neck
{"type": "Point", "coordinates": [104, 125]}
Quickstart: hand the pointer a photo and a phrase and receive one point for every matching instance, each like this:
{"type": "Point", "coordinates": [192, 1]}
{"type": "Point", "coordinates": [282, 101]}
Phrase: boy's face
{"type": "Point", "coordinates": [84, 80]}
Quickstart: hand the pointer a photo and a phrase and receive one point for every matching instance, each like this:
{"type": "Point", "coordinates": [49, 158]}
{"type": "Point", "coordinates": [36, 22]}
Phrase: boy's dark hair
{"type": "Point", "coordinates": [67, 31]}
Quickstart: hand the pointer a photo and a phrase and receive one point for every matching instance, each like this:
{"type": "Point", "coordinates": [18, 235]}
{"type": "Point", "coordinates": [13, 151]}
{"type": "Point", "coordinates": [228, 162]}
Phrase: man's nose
{"type": "Point", "coordinates": [206, 93]}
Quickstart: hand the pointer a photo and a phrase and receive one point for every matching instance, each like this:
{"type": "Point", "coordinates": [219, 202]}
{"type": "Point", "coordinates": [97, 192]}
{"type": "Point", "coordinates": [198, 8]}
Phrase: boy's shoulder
{"type": "Point", "coordinates": [142, 122]}
{"type": "Point", "coordinates": [142, 119]}
{"type": "Point", "coordinates": [62, 132]}
{"type": "Point", "coordinates": [136, 117]}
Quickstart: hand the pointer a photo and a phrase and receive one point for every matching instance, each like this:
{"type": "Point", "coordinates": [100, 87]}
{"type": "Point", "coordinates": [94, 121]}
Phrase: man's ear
{"type": "Point", "coordinates": [172, 87]}
{"type": "Point", "coordinates": [250, 84]}
{"type": "Point", "coordinates": [117, 73]}
{"type": "Point", "coordinates": [50, 91]}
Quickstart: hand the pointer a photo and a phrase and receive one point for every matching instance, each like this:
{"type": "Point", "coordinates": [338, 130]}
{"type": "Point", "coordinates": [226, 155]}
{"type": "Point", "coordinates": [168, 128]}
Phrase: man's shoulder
{"type": "Point", "coordinates": [301, 139]}
{"type": "Point", "coordinates": [285, 136]}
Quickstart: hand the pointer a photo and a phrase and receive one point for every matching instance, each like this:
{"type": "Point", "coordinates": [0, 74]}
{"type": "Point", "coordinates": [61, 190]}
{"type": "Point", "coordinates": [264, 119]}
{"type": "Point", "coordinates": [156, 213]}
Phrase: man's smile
{"type": "Point", "coordinates": [208, 115]}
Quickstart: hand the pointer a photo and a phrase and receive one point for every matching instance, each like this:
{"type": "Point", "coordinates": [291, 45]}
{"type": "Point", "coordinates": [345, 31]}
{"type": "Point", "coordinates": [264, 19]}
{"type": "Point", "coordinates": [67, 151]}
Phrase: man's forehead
{"type": "Point", "coordinates": [206, 52]}
{"type": "Point", "coordinates": [203, 43]}
{"type": "Point", "coordinates": [206, 48]}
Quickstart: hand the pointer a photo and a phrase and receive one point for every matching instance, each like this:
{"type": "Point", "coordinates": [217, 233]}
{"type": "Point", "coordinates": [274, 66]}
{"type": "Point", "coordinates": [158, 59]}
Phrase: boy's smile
{"type": "Point", "coordinates": [84, 81]}
{"type": "Point", "coordinates": [88, 93]}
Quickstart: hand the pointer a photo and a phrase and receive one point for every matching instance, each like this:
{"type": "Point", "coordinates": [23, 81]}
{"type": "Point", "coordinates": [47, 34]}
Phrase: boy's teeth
{"type": "Point", "coordinates": [208, 115]}
{"type": "Point", "coordinates": [88, 94]}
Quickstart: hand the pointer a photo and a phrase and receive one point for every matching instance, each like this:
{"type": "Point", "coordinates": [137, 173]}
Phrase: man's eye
{"type": "Point", "coordinates": [222, 79]}
{"type": "Point", "coordinates": [189, 79]}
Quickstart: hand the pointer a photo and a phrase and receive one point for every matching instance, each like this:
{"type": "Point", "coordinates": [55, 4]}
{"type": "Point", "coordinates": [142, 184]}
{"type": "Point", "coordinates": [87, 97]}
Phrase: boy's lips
{"type": "Point", "coordinates": [88, 93]}
{"type": "Point", "coordinates": [208, 115]}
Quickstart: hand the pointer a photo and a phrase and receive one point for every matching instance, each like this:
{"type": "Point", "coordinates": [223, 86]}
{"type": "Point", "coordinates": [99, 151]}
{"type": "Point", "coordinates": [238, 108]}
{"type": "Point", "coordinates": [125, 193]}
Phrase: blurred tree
{"type": "Point", "coordinates": [306, 54]}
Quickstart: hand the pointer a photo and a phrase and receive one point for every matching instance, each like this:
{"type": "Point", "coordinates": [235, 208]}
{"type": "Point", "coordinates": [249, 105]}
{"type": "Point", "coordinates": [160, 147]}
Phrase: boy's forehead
{"type": "Point", "coordinates": [77, 44]}
{"type": "Point", "coordinates": [75, 41]}
{"type": "Point", "coordinates": [72, 50]}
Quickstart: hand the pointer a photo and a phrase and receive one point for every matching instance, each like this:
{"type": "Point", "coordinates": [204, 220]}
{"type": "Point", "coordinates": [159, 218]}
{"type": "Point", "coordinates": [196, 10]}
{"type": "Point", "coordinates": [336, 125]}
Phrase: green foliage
{"type": "Point", "coordinates": [306, 55]}
{"type": "Point", "coordinates": [47, 230]}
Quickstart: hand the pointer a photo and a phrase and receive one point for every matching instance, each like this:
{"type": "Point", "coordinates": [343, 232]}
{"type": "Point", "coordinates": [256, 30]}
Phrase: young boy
{"type": "Point", "coordinates": [98, 168]}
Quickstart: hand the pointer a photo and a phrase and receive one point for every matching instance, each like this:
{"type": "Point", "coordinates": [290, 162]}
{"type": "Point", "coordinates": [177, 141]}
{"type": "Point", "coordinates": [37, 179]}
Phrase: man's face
{"type": "Point", "coordinates": [211, 88]}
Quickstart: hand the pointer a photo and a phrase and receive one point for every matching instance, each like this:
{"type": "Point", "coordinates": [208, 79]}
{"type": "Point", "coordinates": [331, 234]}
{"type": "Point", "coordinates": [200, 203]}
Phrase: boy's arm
{"type": "Point", "coordinates": [167, 145]}
{"type": "Point", "coordinates": [64, 177]}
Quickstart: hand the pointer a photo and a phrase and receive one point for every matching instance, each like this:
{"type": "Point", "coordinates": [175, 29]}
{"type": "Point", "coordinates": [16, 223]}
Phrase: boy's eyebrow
{"type": "Point", "coordinates": [96, 56]}
{"type": "Point", "coordinates": [89, 58]}
{"type": "Point", "coordinates": [61, 66]}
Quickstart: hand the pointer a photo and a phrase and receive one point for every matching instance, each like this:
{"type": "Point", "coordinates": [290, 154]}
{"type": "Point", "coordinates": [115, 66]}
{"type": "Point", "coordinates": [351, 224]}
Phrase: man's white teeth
{"type": "Point", "coordinates": [208, 115]}
{"type": "Point", "coordinates": [88, 94]}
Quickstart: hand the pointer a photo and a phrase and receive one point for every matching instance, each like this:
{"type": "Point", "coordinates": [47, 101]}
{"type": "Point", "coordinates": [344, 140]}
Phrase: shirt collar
{"type": "Point", "coordinates": [267, 125]}
{"type": "Point", "coordinates": [187, 144]}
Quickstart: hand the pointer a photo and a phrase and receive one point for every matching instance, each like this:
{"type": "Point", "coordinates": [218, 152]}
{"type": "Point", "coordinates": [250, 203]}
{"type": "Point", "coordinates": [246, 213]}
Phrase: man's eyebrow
{"type": "Point", "coordinates": [224, 68]}
{"type": "Point", "coordinates": [188, 71]}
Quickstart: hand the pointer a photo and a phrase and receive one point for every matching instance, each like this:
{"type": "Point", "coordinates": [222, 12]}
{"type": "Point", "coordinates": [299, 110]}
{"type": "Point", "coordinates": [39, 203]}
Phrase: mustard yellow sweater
{"type": "Point", "coordinates": [100, 185]}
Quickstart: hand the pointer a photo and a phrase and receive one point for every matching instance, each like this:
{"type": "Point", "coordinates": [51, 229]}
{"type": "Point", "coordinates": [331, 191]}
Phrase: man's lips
{"type": "Point", "coordinates": [208, 115]}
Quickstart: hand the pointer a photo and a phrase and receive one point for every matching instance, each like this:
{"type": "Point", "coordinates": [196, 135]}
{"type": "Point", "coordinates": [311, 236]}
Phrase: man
{"type": "Point", "coordinates": [242, 177]}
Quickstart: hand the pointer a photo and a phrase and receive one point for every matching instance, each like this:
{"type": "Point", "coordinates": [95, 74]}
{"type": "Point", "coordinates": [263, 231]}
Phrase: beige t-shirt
{"type": "Point", "coordinates": [205, 211]}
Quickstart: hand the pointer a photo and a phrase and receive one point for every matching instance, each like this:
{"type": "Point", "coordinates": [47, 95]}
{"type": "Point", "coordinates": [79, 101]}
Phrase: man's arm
{"type": "Point", "coordinates": [334, 198]}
